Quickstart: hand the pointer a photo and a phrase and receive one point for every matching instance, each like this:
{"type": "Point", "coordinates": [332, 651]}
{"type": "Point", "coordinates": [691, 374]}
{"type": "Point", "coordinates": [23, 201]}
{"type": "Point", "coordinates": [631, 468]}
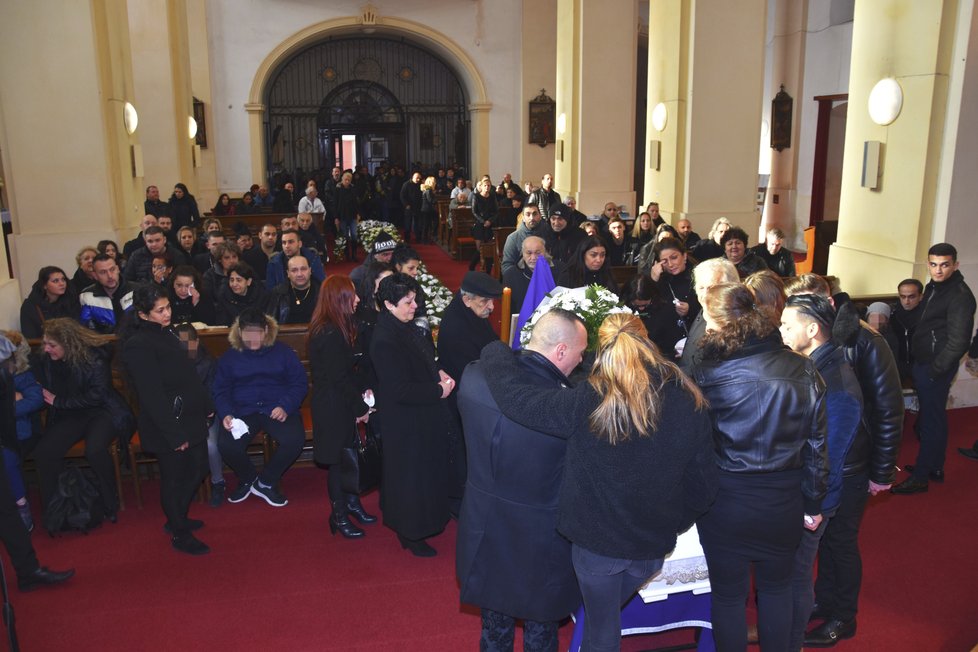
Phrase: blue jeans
{"type": "Point", "coordinates": [607, 584]}
{"type": "Point", "coordinates": [803, 583]}
{"type": "Point", "coordinates": [11, 461]}
{"type": "Point", "coordinates": [932, 419]}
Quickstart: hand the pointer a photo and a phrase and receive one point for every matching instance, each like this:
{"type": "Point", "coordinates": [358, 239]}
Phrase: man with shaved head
{"type": "Point", "coordinates": [510, 560]}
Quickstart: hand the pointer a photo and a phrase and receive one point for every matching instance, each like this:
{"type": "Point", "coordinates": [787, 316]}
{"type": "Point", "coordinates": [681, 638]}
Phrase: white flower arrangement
{"type": "Point", "coordinates": [369, 230]}
{"type": "Point", "coordinates": [339, 248]}
{"type": "Point", "coordinates": [592, 303]}
{"type": "Point", "coordinates": [437, 294]}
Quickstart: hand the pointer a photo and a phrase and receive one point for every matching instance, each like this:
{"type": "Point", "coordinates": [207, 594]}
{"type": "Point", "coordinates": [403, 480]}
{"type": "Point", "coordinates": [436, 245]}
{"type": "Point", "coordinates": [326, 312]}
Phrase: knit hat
{"type": "Point", "coordinates": [878, 308]}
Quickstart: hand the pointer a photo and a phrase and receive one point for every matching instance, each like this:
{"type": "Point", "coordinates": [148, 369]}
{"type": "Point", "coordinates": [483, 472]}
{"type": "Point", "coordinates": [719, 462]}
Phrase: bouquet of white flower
{"type": "Point", "coordinates": [339, 249]}
{"type": "Point", "coordinates": [591, 303]}
{"type": "Point", "coordinates": [368, 230]}
{"type": "Point", "coordinates": [438, 295]}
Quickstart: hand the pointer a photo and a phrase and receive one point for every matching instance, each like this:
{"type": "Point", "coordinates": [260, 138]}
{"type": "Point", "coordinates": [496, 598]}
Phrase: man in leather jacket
{"type": "Point", "coordinates": [869, 464]}
{"type": "Point", "coordinates": [939, 342]}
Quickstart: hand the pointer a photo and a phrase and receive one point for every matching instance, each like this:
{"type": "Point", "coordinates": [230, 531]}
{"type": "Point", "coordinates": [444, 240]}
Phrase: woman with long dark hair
{"type": "Point", "coordinates": [110, 248]}
{"type": "Point", "coordinates": [173, 410]}
{"type": "Point", "coordinates": [410, 393]}
{"type": "Point", "coordinates": [242, 291]}
{"type": "Point", "coordinates": [183, 207]}
{"type": "Point", "coordinates": [223, 207]}
{"type": "Point", "coordinates": [74, 372]}
{"type": "Point", "coordinates": [589, 266]}
{"type": "Point", "coordinates": [338, 394]}
{"type": "Point", "coordinates": [50, 297]}
{"type": "Point", "coordinates": [639, 466]}
{"type": "Point", "coordinates": [769, 434]}
{"type": "Point", "coordinates": [187, 301]}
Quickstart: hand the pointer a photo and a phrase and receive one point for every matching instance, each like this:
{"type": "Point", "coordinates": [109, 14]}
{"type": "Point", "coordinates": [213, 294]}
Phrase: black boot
{"type": "Point", "coordinates": [340, 520]}
{"type": "Point", "coordinates": [356, 510]}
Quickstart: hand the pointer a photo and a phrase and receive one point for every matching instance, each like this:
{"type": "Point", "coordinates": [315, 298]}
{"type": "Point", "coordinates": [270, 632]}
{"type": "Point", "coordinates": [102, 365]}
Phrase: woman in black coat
{"type": "Point", "coordinates": [74, 372]}
{"type": "Point", "coordinates": [484, 211]}
{"type": "Point", "coordinates": [589, 266]}
{"type": "Point", "coordinates": [174, 407]}
{"type": "Point", "coordinates": [183, 208]}
{"type": "Point", "coordinates": [51, 297]}
{"type": "Point", "coordinates": [766, 403]}
{"type": "Point", "coordinates": [417, 422]}
{"type": "Point", "coordinates": [338, 395]}
{"type": "Point", "coordinates": [242, 291]}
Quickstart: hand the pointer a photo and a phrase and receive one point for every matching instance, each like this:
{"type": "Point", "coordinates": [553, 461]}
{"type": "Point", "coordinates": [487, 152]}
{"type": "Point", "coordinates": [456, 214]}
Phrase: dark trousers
{"type": "Point", "coordinates": [181, 473]}
{"type": "Point", "coordinates": [499, 633]}
{"type": "Point", "coordinates": [803, 582]}
{"type": "Point", "coordinates": [606, 585]}
{"type": "Point", "coordinates": [95, 427]}
{"type": "Point", "coordinates": [756, 522]}
{"type": "Point", "coordinates": [840, 567]}
{"type": "Point", "coordinates": [932, 419]}
{"type": "Point", "coordinates": [412, 222]}
{"type": "Point", "coordinates": [15, 536]}
{"type": "Point", "coordinates": [289, 434]}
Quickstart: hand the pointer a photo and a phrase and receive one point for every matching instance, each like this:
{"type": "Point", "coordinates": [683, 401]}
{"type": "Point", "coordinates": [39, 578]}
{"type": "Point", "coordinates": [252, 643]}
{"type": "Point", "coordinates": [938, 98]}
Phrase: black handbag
{"type": "Point", "coordinates": [360, 462]}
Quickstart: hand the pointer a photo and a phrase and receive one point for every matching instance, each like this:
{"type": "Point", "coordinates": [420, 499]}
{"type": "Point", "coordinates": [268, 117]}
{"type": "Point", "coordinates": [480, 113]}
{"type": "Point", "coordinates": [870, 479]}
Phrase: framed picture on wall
{"type": "Point", "coordinates": [543, 119]}
{"type": "Point", "coordinates": [378, 148]}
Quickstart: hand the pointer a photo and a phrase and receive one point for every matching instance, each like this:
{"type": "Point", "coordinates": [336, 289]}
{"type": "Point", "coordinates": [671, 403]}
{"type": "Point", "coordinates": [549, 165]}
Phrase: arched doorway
{"type": "Point", "coordinates": [359, 100]}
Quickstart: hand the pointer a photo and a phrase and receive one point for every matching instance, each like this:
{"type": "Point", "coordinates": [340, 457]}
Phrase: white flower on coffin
{"type": "Point", "coordinates": [592, 304]}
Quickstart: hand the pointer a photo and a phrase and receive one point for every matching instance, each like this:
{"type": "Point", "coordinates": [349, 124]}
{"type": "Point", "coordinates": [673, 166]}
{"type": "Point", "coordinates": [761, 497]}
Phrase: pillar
{"type": "Point", "coordinates": [788, 68]}
{"type": "Point", "coordinates": [67, 155]}
{"type": "Point", "coordinates": [597, 44]}
{"type": "Point", "coordinates": [539, 57]}
{"type": "Point", "coordinates": [479, 128]}
{"type": "Point", "coordinates": [706, 67]}
{"type": "Point", "coordinates": [161, 63]}
{"type": "Point", "coordinates": [888, 230]}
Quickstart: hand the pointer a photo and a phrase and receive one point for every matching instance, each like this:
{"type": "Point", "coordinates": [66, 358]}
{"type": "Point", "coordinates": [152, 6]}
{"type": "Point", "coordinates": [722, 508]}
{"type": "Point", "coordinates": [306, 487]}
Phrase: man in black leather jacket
{"type": "Point", "coordinates": [869, 465]}
{"type": "Point", "coordinates": [939, 342]}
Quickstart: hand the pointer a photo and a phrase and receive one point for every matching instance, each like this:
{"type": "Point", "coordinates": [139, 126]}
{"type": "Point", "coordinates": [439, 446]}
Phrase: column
{"type": "Point", "coordinates": [788, 68]}
{"type": "Point", "coordinates": [884, 233]}
{"type": "Point", "coordinates": [539, 57]}
{"type": "Point", "coordinates": [161, 63]}
{"type": "Point", "coordinates": [67, 155]}
{"type": "Point", "coordinates": [479, 123]}
{"type": "Point", "coordinates": [597, 43]}
{"type": "Point", "coordinates": [706, 68]}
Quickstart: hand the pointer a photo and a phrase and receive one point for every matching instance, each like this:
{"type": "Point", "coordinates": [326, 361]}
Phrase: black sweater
{"type": "Point", "coordinates": [628, 501]}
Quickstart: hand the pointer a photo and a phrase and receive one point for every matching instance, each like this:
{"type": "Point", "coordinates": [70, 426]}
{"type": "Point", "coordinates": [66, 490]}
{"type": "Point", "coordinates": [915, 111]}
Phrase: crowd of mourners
{"type": "Point", "coordinates": [738, 396]}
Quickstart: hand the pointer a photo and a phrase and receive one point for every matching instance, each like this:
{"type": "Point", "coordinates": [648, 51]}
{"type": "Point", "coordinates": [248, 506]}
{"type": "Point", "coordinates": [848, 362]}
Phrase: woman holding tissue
{"type": "Point", "coordinates": [339, 394]}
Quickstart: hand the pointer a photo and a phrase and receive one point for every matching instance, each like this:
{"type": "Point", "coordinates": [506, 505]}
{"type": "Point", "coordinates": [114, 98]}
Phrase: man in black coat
{"type": "Point", "coordinates": [464, 331]}
{"type": "Point", "coordinates": [939, 342]}
{"type": "Point", "coordinates": [510, 560]}
{"type": "Point", "coordinates": [411, 202]}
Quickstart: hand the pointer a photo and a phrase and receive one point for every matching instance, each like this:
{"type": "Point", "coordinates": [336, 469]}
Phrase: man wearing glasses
{"type": "Point", "coordinates": [939, 342]}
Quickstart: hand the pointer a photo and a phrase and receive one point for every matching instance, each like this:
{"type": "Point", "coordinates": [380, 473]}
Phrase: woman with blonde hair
{"type": "Point", "coordinates": [28, 402]}
{"type": "Point", "coordinates": [76, 382]}
{"type": "Point", "coordinates": [710, 247]}
{"type": "Point", "coordinates": [429, 209]}
{"type": "Point", "coordinates": [639, 466]}
{"type": "Point", "coordinates": [769, 434]}
{"type": "Point", "coordinates": [85, 274]}
{"type": "Point", "coordinates": [484, 211]}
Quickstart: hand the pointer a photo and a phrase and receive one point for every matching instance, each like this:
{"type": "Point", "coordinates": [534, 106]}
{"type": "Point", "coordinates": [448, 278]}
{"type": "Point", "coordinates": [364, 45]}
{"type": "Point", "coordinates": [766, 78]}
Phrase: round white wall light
{"type": "Point", "coordinates": [885, 101]}
{"type": "Point", "coordinates": [659, 116]}
{"type": "Point", "coordinates": [191, 127]}
{"type": "Point", "coordinates": [130, 118]}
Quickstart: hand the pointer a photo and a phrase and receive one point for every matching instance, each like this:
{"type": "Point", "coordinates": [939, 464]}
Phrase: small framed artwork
{"type": "Point", "coordinates": [543, 119]}
{"type": "Point", "coordinates": [378, 148]}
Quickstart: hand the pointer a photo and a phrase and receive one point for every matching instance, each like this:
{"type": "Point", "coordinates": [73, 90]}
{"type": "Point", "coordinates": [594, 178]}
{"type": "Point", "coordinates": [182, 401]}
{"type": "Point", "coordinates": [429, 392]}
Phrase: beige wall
{"type": "Point", "coordinates": [66, 154]}
{"type": "Point", "coordinates": [539, 68]}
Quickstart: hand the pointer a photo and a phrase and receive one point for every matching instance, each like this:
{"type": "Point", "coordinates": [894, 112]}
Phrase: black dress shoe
{"type": "Point", "coordinates": [970, 453]}
{"type": "Point", "coordinates": [190, 544]}
{"type": "Point", "coordinates": [43, 577]}
{"type": "Point", "coordinates": [193, 525]}
{"type": "Point", "coordinates": [910, 486]}
{"type": "Point", "coordinates": [936, 476]}
{"type": "Point", "coordinates": [830, 632]}
{"type": "Point", "coordinates": [418, 548]}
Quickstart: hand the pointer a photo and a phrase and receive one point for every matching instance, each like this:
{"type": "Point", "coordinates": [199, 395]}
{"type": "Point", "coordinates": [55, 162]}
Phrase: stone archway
{"type": "Point", "coordinates": [370, 23]}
